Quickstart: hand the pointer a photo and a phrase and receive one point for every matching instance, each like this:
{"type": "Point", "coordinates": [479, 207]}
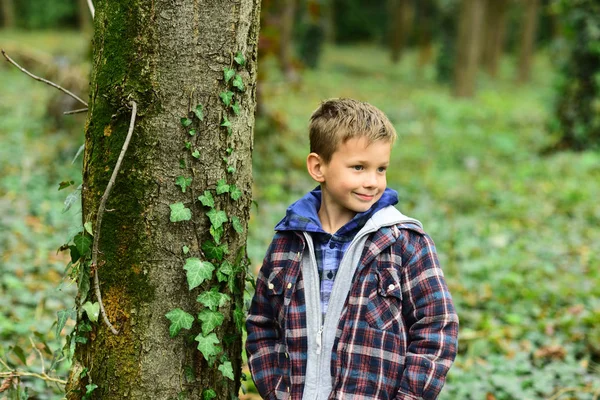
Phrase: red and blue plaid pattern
{"type": "Point", "coordinates": [397, 335]}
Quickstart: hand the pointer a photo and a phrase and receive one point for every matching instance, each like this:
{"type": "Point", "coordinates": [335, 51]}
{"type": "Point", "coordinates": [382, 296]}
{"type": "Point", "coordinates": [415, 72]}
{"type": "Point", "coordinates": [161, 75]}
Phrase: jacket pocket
{"type": "Point", "coordinates": [384, 308]}
{"type": "Point", "coordinates": [275, 291]}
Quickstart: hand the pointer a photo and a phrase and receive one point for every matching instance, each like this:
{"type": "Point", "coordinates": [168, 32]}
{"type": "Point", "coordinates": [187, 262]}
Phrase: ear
{"type": "Point", "coordinates": [315, 167]}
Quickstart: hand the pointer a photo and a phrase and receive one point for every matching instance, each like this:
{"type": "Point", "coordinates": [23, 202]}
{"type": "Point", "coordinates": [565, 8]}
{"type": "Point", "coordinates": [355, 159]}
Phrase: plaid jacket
{"type": "Point", "coordinates": [397, 335]}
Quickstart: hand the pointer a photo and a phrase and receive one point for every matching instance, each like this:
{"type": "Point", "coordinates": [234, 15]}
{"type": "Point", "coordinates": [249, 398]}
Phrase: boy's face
{"type": "Point", "coordinates": [355, 177]}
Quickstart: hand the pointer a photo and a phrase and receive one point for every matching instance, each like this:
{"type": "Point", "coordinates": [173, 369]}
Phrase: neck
{"type": "Point", "coordinates": [331, 221]}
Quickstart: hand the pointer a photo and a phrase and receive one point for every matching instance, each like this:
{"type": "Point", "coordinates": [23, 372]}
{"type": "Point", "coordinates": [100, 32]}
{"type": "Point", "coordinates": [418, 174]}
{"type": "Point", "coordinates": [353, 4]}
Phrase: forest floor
{"type": "Point", "coordinates": [516, 231]}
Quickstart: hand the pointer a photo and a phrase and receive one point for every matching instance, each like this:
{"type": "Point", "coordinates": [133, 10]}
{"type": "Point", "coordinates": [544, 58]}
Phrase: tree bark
{"type": "Point", "coordinates": [495, 33]}
{"type": "Point", "coordinates": [286, 29]}
{"type": "Point", "coordinates": [8, 13]}
{"type": "Point", "coordinates": [529, 28]}
{"type": "Point", "coordinates": [84, 15]}
{"type": "Point", "coordinates": [401, 17]}
{"type": "Point", "coordinates": [168, 57]}
{"type": "Point", "coordinates": [469, 44]}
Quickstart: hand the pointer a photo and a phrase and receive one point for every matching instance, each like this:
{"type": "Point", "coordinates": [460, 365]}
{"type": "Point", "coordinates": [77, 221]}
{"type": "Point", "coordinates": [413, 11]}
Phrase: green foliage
{"type": "Point", "coordinates": [197, 271]}
{"type": "Point", "coordinates": [209, 394]}
{"type": "Point", "coordinates": [208, 346]}
{"type": "Point", "coordinates": [179, 212]}
{"type": "Point", "coordinates": [92, 310]}
{"type": "Point", "coordinates": [183, 182]}
{"type": "Point", "coordinates": [179, 319]}
{"type": "Point", "coordinates": [210, 320]}
{"type": "Point", "coordinates": [226, 369]}
{"type": "Point", "coordinates": [577, 123]}
{"type": "Point", "coordinates": [213, 299]}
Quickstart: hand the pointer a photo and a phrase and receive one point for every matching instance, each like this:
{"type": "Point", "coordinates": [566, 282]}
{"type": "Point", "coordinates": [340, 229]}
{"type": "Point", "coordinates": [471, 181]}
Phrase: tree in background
{"type": "Point", "coordinates": [528, 35]}
{"type": "Point", "coordinates": [446, 55]}
{"type": "Point", "coordinates": [495, 34]}
{"type": "Point", "coordinates": [172, 242]}
{"type": "Point", "coordinates": [401, 14]}
{"type": "Point", "coordinates": [578, 103]}
{"type": "Point", "coordinates": [7, 12]}
{"type": "Point", "coordinates": [468, 47]}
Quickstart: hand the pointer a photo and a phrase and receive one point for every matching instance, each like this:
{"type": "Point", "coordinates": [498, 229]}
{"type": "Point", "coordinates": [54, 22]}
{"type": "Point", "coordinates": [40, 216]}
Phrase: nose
{"type": "Point", "coordinates": [371, 180]}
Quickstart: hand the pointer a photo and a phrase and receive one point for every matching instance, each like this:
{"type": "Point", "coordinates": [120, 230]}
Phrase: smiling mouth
{"type": "Point", "coordinates": [366, 197]}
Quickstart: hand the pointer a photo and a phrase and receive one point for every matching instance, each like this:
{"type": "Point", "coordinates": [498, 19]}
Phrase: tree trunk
{"type": "Point", "coordinates": [286, 29]}
{"type": "Point", "coordinates": [169, 57]}
{"type": "Point", "coordinates": [84, 15]}
{"type": "Point", "coordinates": [426, 11]}
{"type": "Point", "coordinates": [401, 17]}
{"type": "Point", "coordinates": [529, 28]}
{"type": "Point", "coordinates": [469, 43]}
{"type": "Point", "coordinates": [8, 13]}
{"type": "Point", "coordinates": [495, 33]}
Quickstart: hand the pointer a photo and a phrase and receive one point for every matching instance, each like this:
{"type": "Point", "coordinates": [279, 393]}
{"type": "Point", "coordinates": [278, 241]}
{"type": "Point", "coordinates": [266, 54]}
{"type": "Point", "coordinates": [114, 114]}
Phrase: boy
{"type": "Point", "coordinates": [350, 302]}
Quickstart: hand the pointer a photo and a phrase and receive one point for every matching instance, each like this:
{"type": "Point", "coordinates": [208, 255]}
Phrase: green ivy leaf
{"type": "Point", "coordinates": [222, 186]}
{"type": "Point", "coordinates": [210, 320]}
{"type": "Point", "coordinates": [198, 112]}
{"type": "Point", "coordinates": [185, 249]}
{"type": "Point", "coordinates": [65, 184]}
{"type": "Point", "coordinates": [207, 199]}
{"type": "Point", "coordinates": [235, 192]}
{"type": "Point", "coordinates": [228, 73]}
{"type": "Point", "coordinates": [239, 59]}
{"type": "Point", "coordinates": [230, 169]}
{"type": "Point", "coordinates": [182, 163]}
{"type": "Point", "coordinates": [209, 394]}
{"type": "Point", "coordinates": [179, 212]}
{"type": "Point", "coordinates": [217, 233]}
{"type": "Point", "coordinates": [226, 123]}
{"type": "Point", "coordinates": [237, 224]}
{"type": "Point", "coordinates": [183, 182]}
{"type": "Point", "coordinates": [226, 97]}
{"type": "Point", "coordinates": [226, 369]}
{"type": "Point", "coordinates": [186, 122]}
{"type": "Point", "coordinates": [92, 310]}
{"type": "Point", "coordinates": [188, 145]}
{"type": "Point", "coordinates": [83, 283]}
{"type": "Point", "coordinates": [217, 218]}
{"type": "Point", "coordinates": [225, 271]}
{"type": "Point", "coordinates": [238, 83]}
{"type": "Point", "coordinates": [239, 318]}
{"type": "Point", "coordinates": [213, 299]}
{"type": "Point", "coordinates": [192, 132]}
{"type": "Point", "coordinates": [179, 319]}
{"type": "Point", "coordinates": [236, 108]}
{"type": "Point", "coordinates": [197, 271]}
{"type": "Point", "coordinates": [208, 345]}
{"type": "Point", "coordinates": [88, 228]}
{"type": "Point", "coordinates": [214, 251]}
{"type": "Point", "coordinates": [18, 351]}
{"type": "Point", "coordinates": [229, 151]}
{"type": "Point", "coordinates": [196, 154]}
{"type": "Point", "coordinates": [82, 243]}
{"type": "Point", "coordinates": [63, 317]}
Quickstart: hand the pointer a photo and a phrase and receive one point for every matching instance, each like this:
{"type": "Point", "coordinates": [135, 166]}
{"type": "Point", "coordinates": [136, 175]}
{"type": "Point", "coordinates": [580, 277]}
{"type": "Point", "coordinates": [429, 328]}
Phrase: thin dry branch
{"type": "Point", "coordinates": [91, 6]}
{"type": "Point", "coordinates": [44, 377]}
{"type": "Point", "coordinates": [101, 210]}
{"type": "Point", "coordinates": [37, 78]}
{"type": "Point", "coordinates": [80, 110]}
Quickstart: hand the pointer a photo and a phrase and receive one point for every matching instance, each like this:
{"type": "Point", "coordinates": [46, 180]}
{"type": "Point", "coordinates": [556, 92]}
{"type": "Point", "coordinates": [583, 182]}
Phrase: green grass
{"type": "Point", "coordinates": [517, 232]}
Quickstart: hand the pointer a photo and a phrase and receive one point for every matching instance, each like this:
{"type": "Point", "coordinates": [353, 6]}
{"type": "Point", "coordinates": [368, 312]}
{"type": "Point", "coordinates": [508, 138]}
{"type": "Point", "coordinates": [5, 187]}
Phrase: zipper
{"type": "Point", "coordinates": [319, 340]}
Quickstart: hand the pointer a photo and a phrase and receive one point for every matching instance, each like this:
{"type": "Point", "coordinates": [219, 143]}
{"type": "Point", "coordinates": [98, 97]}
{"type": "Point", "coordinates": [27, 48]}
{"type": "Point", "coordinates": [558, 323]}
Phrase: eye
{"type": "Point", "coordinates": [381, 169]}
{"type": "Point", "coordinates": [357, 167]}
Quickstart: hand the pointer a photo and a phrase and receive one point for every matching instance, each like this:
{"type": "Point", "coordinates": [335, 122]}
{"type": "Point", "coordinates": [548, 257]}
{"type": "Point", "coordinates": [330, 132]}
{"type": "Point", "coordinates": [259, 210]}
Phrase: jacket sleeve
{"type": "Point", "coordinates": [263, 335]}
{"type": "Point", "coordinates": [431, 320]}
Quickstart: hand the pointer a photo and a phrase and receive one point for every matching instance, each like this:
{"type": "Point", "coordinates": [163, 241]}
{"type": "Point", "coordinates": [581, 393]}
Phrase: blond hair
{"type": "Point", "coordinates": [337, 120]}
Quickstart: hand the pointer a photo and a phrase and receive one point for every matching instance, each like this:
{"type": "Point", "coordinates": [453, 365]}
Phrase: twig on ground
{"type": "Point", "coordinates": [81, 110]}
{"type": "Point", "coordinates": [39, 354]}
{"type": "Point", "coordinates": [37, 78]}
{"type": "Point", "coordinates": [562, 391]}
{"type": "Point", "coordinates": [44, 377]}
{"type": "Point", "coordinates": [101, 210]}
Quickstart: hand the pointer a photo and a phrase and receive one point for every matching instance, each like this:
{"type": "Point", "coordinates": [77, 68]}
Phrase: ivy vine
{"type": "Point", "coordinates": [211, 262]}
